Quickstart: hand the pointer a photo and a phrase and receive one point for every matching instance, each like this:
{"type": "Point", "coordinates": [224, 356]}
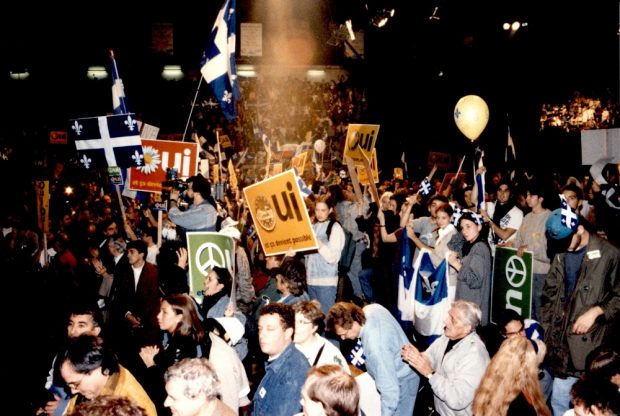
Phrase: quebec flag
{"type": "Point", "coordinates": [107, 141]}
{"type": "Point", "coordinates": [118, 90]}
{"type": "Point", "coordinates": [431, 302]}
{"type": "Point", "coordinates": [218, 61]}
{"type": "Point", "coordinates": [405, 276]}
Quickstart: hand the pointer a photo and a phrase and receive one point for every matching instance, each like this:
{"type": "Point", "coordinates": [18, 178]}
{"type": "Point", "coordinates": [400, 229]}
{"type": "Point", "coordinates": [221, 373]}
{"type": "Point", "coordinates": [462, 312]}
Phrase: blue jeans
{"type": "Point", "coordinates": [356, 268]}
{"type": "Point", "coordinates": [538, 281]}
{"type": "Point", "coordinates": [409, 386]}
{"type": "Point", "coordinates": [560, 395]}
{"type": "Point", "coordinates": [365, 277]}
{"type": "Point", "coordinates": [326, 295]}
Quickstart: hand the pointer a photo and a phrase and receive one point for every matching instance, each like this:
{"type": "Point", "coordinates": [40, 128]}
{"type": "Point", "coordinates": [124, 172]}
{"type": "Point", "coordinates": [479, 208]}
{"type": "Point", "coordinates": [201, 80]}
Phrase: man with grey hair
{"type": "Point", "coordinates": [455, 362]}
{"type": "Point", "coordinates": [193, 388]}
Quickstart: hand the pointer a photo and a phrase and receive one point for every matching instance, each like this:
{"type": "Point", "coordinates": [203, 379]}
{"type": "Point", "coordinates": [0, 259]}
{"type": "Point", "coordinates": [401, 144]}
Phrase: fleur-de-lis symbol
{"type": "Point", "coordinates": [137, 157]}
{"type": "Point", "coordinates": [130, 123]}
{"type": "Point", "coordinates": [227, 97]}
{"type": "Point", "coordinates": [77, 127]}
{"type": "Point", "coordinates": [457, 113]}
{"type": "Point", "coordinates": [86, 161]}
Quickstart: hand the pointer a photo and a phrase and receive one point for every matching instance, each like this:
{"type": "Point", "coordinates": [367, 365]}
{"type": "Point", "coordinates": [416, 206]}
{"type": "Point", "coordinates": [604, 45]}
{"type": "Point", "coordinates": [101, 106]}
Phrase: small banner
{"type": "Point", "coordinates": [299, 162]}
{"type": "Point", "coordinates": [160, 155]}
{"type": "Point", "coordinates": [398, 173]}
{"type": "Point", "coordinates": [511, 287]}
{"type": "Point", "coordinates": [361, 138]}
{"type": "Point", "coordinates": [205, 251]}
{"type": "Point", "coordinates": [58, 137]}
{"type": "Point", "coordinates": [116, 177]}
{"type": "Point", "coordinates": [280, 214]}
{"type": "Point", "coordinates": [43, 205]}
{"type": "Point", "coordinates": [442, 160]}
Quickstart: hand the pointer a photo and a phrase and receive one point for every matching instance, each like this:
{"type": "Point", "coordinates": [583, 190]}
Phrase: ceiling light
{"type": "Point", "coordinates": [172, 73]}
{"type": "Point", "coordinates": [19, 75]}
{"type": "Point", "coordinates": [97, 72]}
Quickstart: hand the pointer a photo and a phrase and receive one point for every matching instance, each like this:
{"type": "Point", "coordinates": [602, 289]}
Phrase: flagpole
{"type": "Point", "coordinates": [191, 109]}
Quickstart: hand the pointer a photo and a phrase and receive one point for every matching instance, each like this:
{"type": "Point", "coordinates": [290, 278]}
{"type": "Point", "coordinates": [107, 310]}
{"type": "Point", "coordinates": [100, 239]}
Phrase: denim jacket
{"type": "Point", "coordinates": [279, 392]}
{"type": "Point", "coordinates": [322, 266]}
{"type": "Point", "coordinates": [382, 339]}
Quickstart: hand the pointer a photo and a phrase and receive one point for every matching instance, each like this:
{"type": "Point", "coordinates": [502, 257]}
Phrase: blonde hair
{"type": "Point", "coordinates": [513, 369]}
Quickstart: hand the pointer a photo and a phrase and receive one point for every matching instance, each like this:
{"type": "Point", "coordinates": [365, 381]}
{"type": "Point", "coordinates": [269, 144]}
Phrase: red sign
{"type": "Point", "coordinates": [158, 156]}
{"type": "Point", "coordinates": [58, 137]}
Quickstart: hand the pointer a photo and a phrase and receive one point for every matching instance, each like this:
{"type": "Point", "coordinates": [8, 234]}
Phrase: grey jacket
{"type": "Point", "coordinates": [457, 374]}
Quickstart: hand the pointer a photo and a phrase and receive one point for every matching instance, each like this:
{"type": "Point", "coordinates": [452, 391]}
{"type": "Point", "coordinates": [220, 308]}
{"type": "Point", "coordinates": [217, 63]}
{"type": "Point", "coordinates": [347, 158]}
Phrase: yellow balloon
{"type": "Point", "coordinates": [471, 116]}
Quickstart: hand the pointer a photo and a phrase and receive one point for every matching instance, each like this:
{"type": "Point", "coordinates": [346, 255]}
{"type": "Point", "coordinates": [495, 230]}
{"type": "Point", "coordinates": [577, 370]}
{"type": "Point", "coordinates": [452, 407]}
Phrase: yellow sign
{"type": "Point", "coordinates": [216, 173]}
{"type": "Point", "coordinates": [232, 175]}
{"type": "Point", "coordinates": [277, 168]}
{"type": "Point", "coordinates": [299, 162]}
{"type": "Point", "coordinates": [361, 138]}
{"type": "Point", "coordinates": [225, 141]}
{"type": "Point", "coordinates": [362, 175]}
{"type": "Point", "coordinates": [43, 204]}
{"type": "Point", "coordinates": [280, 214]}
{"type": "Point", "coordinates": [398, 173]}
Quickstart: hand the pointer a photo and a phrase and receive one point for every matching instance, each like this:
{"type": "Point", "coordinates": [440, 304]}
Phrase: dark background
{"type": "Point", "coordinates": [414, 69]}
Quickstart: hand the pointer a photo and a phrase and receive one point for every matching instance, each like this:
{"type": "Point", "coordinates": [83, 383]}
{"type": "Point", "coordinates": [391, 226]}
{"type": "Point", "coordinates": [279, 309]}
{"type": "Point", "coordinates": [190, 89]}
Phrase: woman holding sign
{"type": "Point", "coordinates": [322, 265]}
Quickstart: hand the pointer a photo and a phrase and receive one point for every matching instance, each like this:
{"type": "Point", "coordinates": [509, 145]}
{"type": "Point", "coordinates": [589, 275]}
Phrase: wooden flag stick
{"type": "Point", "coordinates": [354, 180]}
{"type": "Point", "coordinates": [120, 203]}
{"type": "Point", "coordinates": [430, 175]}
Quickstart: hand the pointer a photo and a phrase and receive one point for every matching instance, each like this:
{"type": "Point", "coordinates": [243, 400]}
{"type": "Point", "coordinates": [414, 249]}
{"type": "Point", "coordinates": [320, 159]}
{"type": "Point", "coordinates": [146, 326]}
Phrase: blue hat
{"type": "Point", "coordinates": [555, 228]}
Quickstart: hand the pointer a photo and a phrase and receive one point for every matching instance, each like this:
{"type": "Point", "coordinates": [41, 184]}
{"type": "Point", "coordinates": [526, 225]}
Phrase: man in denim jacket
{"type": "Point", "coordinates": [279, 392]}
{"type": "Point", "coordinates": [381, 337]}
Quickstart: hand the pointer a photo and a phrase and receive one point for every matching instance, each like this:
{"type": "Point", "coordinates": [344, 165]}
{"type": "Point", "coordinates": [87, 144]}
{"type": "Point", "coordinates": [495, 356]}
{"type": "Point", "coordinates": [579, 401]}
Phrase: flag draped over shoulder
{"type": "Point", "coordinates": [218, 61]}
{"type": "Point", "coordinates": [405, 288]}
{"type": "Point", "coordinates": [431, 302]}
{"type": "Point", "coordinates": [107, 140]}
{"type": "Point", "coordinates": [118, 90]}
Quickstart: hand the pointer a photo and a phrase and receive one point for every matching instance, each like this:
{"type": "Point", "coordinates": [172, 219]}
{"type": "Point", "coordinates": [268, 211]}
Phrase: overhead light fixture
{"type": "Point", "coordinates": [247, 71]}
{"type": "Point", "coordinates": [19, 75]}
{"type": "Point", "coordinates": [434, 15]}
{"type": "Point", "coordinates": [172, 73]}
{"type": "Point", "coordinates": [316, 73]}
{"type": "Point", "coordinates": [381, 17]}
{"type": "Point", "coordinates": [97, 72]}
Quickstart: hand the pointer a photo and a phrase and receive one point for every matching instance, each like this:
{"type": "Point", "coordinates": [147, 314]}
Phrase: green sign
{"type": "Point", "coordinates": [205, 251]}
{"type": "Point", "coordinates": [511, 287]}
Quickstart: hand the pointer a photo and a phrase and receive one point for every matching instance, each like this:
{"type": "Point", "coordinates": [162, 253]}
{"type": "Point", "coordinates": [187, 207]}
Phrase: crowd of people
{"type": "Point", "coordinates": [284, 334]}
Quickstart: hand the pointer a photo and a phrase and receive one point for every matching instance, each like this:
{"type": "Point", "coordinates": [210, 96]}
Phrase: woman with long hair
{"type": "Point", "coordinates": [471, 257]}
{"type": "Point", "coordinates": [322, 265]}
{"type": "Point", "coordinates": [185, 338]}
{"type": "Point", "coordinates": [510, 385]}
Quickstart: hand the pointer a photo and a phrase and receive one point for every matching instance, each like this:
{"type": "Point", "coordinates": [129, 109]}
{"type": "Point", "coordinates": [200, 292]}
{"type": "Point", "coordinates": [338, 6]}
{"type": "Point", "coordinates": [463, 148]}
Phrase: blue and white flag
{"type": "Point", "coordinates": [218, 60]}
{"type": "Point", "coordinates": [405, 288]}
{"type": "Point", "coordinates": [107, 141]}
{"type": "Point", "coordinates": [356, 356]}
{"type": "Point", "coordinates": [431, 302]}
{"type": "Point", "coordinates": [303, 188]}
{"type": "Point", "coordinates": [480, 185]}
{"type": "Point", "coordinates": [510, 156]}
{"type": "Point", "coordinates": [425, 187]}
{"type": "Point", "coordinates": [569, 217]}
{"type": "Point", "coordinates": [118, 90]}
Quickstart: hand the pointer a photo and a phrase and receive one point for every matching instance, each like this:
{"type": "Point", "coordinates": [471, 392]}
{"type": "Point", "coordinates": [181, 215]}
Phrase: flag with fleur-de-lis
{"type": "Point", "coordinates": [356, 356]}
{"type": "Point", "coordinates": [107, 141]}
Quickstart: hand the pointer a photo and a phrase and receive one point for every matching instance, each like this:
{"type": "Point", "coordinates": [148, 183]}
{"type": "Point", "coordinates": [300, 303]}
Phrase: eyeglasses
{"type": "Point", "coordinates": [520, 331]}
{"type": "Point", "coordinates": [300, 322]}
{"type": "Point", "coordinates": [76, 384]}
